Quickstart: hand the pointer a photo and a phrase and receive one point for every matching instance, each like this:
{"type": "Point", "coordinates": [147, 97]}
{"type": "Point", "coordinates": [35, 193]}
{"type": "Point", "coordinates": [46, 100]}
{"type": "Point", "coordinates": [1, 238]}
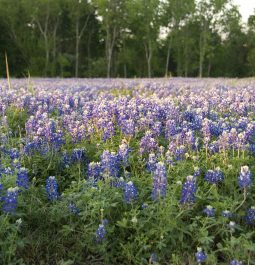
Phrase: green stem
{"type": "Point", "coordinates": [243, 201]}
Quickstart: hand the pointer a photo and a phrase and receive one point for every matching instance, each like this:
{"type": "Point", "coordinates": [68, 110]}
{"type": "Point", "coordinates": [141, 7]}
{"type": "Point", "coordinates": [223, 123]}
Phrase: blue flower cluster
{"type": "Point", "coordinates": [200, 256]}
{"type": "Point", "coordinates": [250, 216]}
{"type": "Point", "coordinates": [244, 179]}
{"type": "Point", "coordinates": [10, 200]}
{"type": "Point", "coordinates": [159, 181]}
{"type": "Point", "coordinates": [52, 188]}
{"type": "Point", "coordinates": [94, 172]}
{"type": "Point", "coordinates": [101, 232]}
{"type": "Point", "coordinates": [110, 164]}
{"type": "Point", "coordinates": [130, 192]}
{"type": "Point", "coordinates": [214, 176]}
{"type": "Point", "coordinates": [188, 191]}
{"type": "Point", "coordinates": [209, 211]}
{"type": "Point", "coordinates": [22, 178]}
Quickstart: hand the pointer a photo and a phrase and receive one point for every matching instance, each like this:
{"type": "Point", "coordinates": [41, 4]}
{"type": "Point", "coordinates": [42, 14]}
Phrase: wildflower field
{"type": "Point", "coordinates": [127, 171]}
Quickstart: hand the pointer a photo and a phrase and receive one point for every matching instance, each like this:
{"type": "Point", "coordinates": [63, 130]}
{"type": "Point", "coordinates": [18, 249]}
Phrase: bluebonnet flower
{"type": "Point", "coordinates": [130, 192]}
{"type": "Point", "coordinates": [180, 152]}
{"type": "Point", "coordinates": [171, 128]}
{"type": "Point", "coordinates": [214, 147]}
{"type": "Point", "coordinates": [197, 171]}
{"type": "Point", "coordinates": [73, 208]}
{"type": "Point", "coordinates": [244, 179]}
{"type": "Point", "coordinates": [66, 160]}
{"type": "Point", "coordinates": [52, 188]}
{"type": "Point", "coordinates": [22, 178]}
{"type": "Point", "coordinates": [156, 128]}
{"type": "Point", "coordinates": [200, 256]}
{"type": "Point", "coordinates": [152, 161]}
{"type": "Point", "coordinates": [148, 144]}
{"type": "Point", "coordinates": [14, 153]}
{"type": "Point", "coordinates": [110, 164]}
{"type": "Point", "coordinates": [250, 216]}
{"type": "Point", "coordinates": [100, 233]}
{"type": "Point", "coordinates": [206, 131]}
{"type": "Point", "coordinates": [78, 155]}
{"type": "Point", "coordinates": [159, 181]}
{"type": "Point", "coordinates": [123, 153]}
{"type": "Point", "coordinates": [108, 130]}
{"type": "Point", "coordinates": [128, 127]}
{"type": "Point", "coordinates": [169, 158]}
{"type": "Point", "coordinates": [7, 171]}
{"type": "Point", "coordinates": [214, 176]}
{"type": "Point", "coordinates": [118, 183]}
{"type": "Point", "coordinates": [209, 211]}
{"type": "Point", "coordinates": [10, 200]}
{"type": "Point", "coordinates": [94, 172]}
{"type": "Point", "coordinates": [235, 262]}
{"type": "Point", "coordinates": [226, 214]}
{"type": "Point", "coordinates": [153, 258]}
{"type": "Point", "coordinates": [188, 191]}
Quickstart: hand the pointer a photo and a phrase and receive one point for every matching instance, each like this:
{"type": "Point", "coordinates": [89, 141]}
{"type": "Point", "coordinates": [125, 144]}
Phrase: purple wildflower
{"type": "Point", "coordinates": [130, 192]}
{"type": "Point", "coordinates": [244, 179]}
{"type": "Point", "coordinates": [52, 188]}
{"type": "Point", "coordinates": [200, 256]}
{"type": "Point", "coordinates": [100, 233]}
{"type": "Point", "coordinates": [214, 176]}
{"type": "Point", "coordinates": [209, 211]}
{"type": "Point", "coordinates": [159, 181]}
{"type": "Point", "coordinates": [188, 191]}
{"type": "Point", "coordinates": [22, 178]}
{"type": "Point", "coordinates": [250, 216]}
{"type": "Point", "coordinates": [10, 200]}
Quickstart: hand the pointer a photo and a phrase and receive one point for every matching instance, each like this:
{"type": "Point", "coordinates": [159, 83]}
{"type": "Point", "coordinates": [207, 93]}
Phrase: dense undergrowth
{"type": "Point", "coordinates": [151, 174]}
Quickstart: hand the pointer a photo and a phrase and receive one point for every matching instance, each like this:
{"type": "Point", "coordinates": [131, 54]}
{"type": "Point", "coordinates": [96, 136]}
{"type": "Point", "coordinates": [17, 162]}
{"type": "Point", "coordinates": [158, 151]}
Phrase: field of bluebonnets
{"type": "Point", "coordinates": [155, 171]}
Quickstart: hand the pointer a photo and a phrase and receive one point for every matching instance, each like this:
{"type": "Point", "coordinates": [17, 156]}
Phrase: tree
{"type": "Point", "coordinates": [80, 12]}
{"type": "Point", "coordinates": [46, 16]}
{"type": "Point", "coordinates": [176, 14]}
{"type": "Point", "coordinates": [111, 13]}
{"type": "Point", "coordinates": [144, 18]}
{"type": "Point", "coordinates": [208, 14]}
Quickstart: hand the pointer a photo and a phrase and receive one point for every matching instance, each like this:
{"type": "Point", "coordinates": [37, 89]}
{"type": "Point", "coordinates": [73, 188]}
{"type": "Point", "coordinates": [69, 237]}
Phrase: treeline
{"type": "Point", "coordinates": [125, 38]}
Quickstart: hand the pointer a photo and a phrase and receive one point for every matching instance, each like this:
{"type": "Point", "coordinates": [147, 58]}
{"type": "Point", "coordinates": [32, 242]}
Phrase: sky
{"type": "Point", "coordinates": [246, 8]}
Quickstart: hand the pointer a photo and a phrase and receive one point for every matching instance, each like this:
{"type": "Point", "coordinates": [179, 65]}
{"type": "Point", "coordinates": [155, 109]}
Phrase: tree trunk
{"type": "Point", "coordinates": [186, 56]}
{"type": "Point", "coordinates": [77, 42]}
{"type": "Point", "coordinates": [148, 53]}
{"type": "Point", "coordinates": [110, 42]}
{"type": "Point", "coordinates": [168, 55]}
{"type": "Point", "coordinates": [78, 35]}
{"type": "Point", "coordinates": [54, 52]}
{"type": "Point", "coordinates": [109, 62]}
{"type": "Point", "coordinates": [89, 55]}
{"type": "Point", "coordinates": [202, 47]}
{"type": "Point", "coordinates": [209, 69]}
{"type": "Point", "coordinates": [125, 71]}
{"type": "Point", "coordinates": [201, 57]}
{"type": "Point", "coordinates": [47, 55]}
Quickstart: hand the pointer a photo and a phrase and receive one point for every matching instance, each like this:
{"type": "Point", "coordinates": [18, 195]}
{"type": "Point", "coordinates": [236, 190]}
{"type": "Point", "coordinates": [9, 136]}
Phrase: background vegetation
{"type": "Point", "coordinates": [126, 38]}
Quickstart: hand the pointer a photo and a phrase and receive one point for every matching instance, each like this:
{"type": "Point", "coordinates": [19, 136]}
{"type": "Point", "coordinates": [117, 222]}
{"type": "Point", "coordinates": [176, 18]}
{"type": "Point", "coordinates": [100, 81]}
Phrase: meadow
{"type": "Point", "coordinates": [127, 171]}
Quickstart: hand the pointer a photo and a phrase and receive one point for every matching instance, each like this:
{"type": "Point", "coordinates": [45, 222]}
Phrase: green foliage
{"type": "Point", "coordinates": [16, 119]}
{"type": "Point", "coordinates": [44, 232]}
{"type": "Point", "coordinates": [125, 38]}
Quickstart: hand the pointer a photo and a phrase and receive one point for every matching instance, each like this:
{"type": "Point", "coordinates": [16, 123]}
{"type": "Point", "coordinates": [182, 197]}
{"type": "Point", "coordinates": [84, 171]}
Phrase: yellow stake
{"type": "Point", "coordinates": [7, 71]}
